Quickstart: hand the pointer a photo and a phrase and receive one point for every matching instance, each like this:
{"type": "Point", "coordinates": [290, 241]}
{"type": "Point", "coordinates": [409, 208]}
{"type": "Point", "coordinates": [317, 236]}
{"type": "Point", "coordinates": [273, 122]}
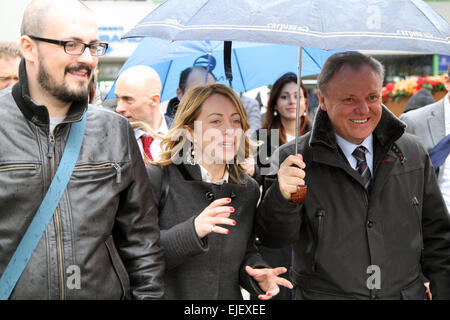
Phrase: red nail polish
{"type": "Point", "coordinates": [229, 199]}
{"type": "Point", "coordinates": [234, 223]}
{"type": "Point", "coordinates": [231, 209]}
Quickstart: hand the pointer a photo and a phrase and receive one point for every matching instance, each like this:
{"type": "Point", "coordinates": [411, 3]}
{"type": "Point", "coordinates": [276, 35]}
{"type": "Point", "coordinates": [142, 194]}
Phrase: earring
{"type": "Point", "coordinates": [304, 114]}
{"type": "Point", "coordinates": [275, 113]}
{"type": "Point", "coordinates": [191, 156]}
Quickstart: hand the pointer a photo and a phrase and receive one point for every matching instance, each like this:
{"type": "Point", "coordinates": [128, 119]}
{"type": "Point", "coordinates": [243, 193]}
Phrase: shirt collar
{"type": "Point", "coordinates": [348, 147]}
{"type": "Point", "coordinates": [206, 176]}
{"type": "Point", "coordinates": [162, 130]}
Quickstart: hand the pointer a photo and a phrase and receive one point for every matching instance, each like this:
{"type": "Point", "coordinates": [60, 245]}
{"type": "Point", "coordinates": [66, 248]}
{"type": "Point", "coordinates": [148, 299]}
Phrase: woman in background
{"type": "Point", "coordinates": [279, 128]}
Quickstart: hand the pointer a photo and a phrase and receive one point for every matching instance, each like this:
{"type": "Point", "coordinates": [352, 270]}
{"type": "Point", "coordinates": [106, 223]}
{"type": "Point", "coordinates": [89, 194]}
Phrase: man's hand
{"type": "Point", "coordinates": [269, 281]}
{"type": "Point", "coordinates": [289, 176]}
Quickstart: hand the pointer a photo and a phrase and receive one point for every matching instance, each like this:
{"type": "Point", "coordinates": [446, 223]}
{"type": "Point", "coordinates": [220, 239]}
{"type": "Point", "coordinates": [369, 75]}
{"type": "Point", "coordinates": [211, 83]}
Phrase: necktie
{"type": "Point", "coordinates": [440, 152]}
{"type": "Point", "coordinates": [146, 143]}
{"type": "Point", "coordinates": [361, 164]}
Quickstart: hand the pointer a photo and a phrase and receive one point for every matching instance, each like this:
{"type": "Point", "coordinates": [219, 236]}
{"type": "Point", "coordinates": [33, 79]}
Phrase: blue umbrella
{"type": "Point", "coordinates": [407, 25]}
{"type": "Point", "coordinates": [253, 64]}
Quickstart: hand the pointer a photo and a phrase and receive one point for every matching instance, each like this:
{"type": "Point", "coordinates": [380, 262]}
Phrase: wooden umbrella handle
{"type": "Point", "coordinates": [299, 196]}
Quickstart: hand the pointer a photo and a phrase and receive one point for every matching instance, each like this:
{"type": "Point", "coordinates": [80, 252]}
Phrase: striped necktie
{"type": "Point", "coordinates": [361, 164]}
{"type": "Point", "coordinates": [146, 143]}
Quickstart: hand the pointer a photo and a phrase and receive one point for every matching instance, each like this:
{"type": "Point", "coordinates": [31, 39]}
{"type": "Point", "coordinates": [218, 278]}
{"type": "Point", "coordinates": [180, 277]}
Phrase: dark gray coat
{"type": "Point", "coordinates": [212, 267]}
{"type": "Point", "coordinates": [341, 229]}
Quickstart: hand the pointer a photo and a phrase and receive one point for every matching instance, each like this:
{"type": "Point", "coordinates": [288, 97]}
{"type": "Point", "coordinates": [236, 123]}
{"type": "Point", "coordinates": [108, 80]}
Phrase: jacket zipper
{"type": "Point", "coordinates": [320, 214]}
{"type": "Point", "coordinates": [51, 153]}
{"type": "Point", "coordinates": [415, 203]}
{"type": "Point", "coordinates": [13, 167]}
{"type": "Point", "coordinates": [116, 166]}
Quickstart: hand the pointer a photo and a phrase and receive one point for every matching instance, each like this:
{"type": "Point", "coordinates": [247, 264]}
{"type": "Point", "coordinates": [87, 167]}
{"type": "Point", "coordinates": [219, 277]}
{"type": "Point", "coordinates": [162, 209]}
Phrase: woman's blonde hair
{"type": "Point", "coordinates": [174, 143]}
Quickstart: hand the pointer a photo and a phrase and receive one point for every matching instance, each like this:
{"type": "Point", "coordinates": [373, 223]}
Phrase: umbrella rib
{"type": "Point", "coordinates": [239, 68]}
{"type": "Point", "coordinates": [312, 58]}
{"type": "Point", "coordinates": [165, 78]}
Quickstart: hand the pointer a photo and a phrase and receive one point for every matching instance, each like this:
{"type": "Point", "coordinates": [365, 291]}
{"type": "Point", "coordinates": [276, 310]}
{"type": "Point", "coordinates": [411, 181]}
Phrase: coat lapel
{"type": "Point", "coordinates": [436, 124]}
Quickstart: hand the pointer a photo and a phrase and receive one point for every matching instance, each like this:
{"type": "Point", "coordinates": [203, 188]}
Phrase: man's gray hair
{"type": "Point", "coordinates": [352, 58]}
{"type": "Point", "coordinates": [9, 50]}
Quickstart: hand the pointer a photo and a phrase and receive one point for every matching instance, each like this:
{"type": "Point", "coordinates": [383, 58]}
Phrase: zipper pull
{"type": "Point", "coordinates": [320, 213]}
{"type": "Point", "coordinates": [51, 145]}
{"type": "Point", "coordinates": [118, 173]}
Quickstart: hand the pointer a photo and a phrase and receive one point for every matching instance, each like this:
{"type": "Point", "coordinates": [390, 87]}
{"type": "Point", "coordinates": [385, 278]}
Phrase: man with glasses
{"type": "Point", "coordinates": [102, 240]}
{"type": "Point", "coordinates": [9, 64]}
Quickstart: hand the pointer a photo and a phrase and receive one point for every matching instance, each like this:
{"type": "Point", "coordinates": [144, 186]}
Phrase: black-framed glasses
{"type": "Point", "coordinates": [76, 48]}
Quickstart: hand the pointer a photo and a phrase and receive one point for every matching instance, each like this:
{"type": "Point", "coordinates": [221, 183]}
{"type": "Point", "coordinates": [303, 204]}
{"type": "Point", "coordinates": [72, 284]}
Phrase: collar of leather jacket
{"type": "Point", "coordinates": [38, 114]}
{"type": "Point", "coordinates": [388, 130]}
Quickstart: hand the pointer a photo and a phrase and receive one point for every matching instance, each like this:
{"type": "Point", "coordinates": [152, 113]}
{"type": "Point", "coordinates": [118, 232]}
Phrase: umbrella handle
{"type": "Point", "coordinates": [299, 197]}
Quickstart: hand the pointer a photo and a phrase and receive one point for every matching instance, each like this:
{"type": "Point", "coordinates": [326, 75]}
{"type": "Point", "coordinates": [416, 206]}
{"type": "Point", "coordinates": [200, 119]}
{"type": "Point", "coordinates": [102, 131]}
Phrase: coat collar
{"type": "Point", "coordinates": [38, 114]}
{"type": "Point", "coordinates": [193, 172]}
{"type": "Point", "coordinates": [388, 130]}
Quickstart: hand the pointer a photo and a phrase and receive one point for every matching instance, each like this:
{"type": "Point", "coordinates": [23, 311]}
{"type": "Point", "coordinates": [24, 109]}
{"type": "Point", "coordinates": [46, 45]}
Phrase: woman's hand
{"type": "Point", "coordinates": [269, 281]}
{"type": "Point", "coordinates": [216, 213]}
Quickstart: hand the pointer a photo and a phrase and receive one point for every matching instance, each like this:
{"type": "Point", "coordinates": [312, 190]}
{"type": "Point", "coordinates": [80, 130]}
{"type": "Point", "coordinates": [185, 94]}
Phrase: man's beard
{"type": "Point", "coordinates": [61, 91]}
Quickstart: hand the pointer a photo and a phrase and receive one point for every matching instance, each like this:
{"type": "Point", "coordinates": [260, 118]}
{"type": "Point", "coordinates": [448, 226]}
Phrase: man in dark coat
{"type": "Point", "coordinates": [373, 216]}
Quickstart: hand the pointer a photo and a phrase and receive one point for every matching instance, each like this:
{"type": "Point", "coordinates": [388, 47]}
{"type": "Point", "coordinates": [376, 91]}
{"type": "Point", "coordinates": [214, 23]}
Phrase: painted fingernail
{"type": "Point", "coordinates": [259, 297]}
{"type": "Point", "coordinates": [234, 222]}
{"type": "Point", "coordinates": [231, 209]}
{"type": "Point", "coordinates": [228, 231]}
{"type": "Point", "coordinates": [268, 294]}
{"type": "Point", "coordinates": [228, 199]}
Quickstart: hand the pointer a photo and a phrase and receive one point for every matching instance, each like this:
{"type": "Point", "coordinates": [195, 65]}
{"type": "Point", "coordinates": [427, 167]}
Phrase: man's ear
{"type": "Point", "coordinates": [28, 48]}
{"type": "Point", "coordinates": [321, 99]}
{"type": "Point", "coordinates": [179, 94]}
{"type": "Point", "coordinates": [447, 81]}
{"type": "Point", "coordinates": [156, 99]}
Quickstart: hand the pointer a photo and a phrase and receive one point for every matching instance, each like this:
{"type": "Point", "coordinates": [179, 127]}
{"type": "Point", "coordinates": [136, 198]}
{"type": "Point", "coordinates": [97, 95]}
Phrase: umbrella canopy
{"type": "Point", "coordinates": [407, 25]}
{"type": "Point", "coordinates": [254, 65]}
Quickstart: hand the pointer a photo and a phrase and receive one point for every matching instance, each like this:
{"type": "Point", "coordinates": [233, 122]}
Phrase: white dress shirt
{"type": "Point", "coordinates": [206, 176]}
{"type": "Point", "coordinates": [444, 178]}
{"type": "Point", "coordinates": [348, 148]}
{"type": "Point", "coordinates": [155, 148]}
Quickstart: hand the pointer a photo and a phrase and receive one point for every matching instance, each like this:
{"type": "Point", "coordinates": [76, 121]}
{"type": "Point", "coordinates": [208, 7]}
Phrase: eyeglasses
{"type": "Point", "coordinates": [76, 48]}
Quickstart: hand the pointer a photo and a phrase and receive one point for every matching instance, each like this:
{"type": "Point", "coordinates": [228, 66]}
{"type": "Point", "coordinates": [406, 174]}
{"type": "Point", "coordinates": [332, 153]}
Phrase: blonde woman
{"type": "Point", "coordinates": [207, 203]}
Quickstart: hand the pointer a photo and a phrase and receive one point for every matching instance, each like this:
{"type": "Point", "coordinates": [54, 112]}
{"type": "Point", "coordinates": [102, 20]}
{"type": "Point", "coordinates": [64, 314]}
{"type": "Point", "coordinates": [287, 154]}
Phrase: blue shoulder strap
{"type": "Point", "coordinates": [45, 212]}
